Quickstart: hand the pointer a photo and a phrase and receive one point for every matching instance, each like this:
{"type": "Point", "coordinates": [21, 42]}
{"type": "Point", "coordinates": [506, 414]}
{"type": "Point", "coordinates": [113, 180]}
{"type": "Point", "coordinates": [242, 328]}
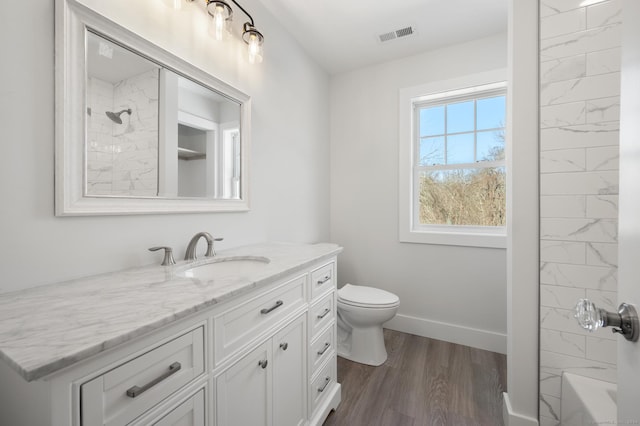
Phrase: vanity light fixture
{"type": "Point", "coordinates": [254, 40]}
{"type": "Point", "coordinates": [221, 14]}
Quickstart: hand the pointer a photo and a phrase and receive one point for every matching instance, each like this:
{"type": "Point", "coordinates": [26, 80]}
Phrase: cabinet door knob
{"type": "Point", "coordinates": [263, 363]}
{"type": "Point", "coordinates": [284, 346]}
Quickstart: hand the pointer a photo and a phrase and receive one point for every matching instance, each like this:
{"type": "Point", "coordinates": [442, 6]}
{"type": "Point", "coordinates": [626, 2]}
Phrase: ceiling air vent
{"type": "Point", "coordinates": [387, 36]}
{"type": "Point", "coordinates": [392, 35]}
{"type": "Point", "coordinates": [404, 32]}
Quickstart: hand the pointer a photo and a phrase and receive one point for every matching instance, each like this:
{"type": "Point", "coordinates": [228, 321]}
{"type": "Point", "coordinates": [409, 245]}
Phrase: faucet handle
{"type": "Point", "coordinates": [168, 255]}
{"type": "Point", "coordinates": [210, 250]}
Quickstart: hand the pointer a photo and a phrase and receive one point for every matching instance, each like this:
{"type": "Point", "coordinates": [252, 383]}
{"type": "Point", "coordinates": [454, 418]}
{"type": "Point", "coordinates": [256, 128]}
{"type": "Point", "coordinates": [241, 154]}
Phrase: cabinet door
{"type": "Point", "coordinates": [290, 374]}
{"type": "Point", "coordinates": [244, 390]}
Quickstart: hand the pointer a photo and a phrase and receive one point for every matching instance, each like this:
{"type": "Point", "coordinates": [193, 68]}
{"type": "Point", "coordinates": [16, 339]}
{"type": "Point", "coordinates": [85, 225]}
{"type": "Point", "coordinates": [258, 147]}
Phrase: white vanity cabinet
{"type": "Point", "coordinates": [267, 386]}
{"type": "Point", "coordinates": [265, 356]}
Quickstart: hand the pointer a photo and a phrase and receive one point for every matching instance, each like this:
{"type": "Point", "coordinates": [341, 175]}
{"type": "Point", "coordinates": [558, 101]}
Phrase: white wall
{"type": "Point", "coordinates": [579, 138]}
{"type": "Point", "coordinates": [450, 293]}
{"type": "Point", "coordinates": [290, 150]}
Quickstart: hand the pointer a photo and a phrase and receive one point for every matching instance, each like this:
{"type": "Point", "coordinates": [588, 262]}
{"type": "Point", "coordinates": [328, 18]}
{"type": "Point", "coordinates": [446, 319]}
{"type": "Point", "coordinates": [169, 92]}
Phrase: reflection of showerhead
{"type": "Point", "coordinates": [115, 116]}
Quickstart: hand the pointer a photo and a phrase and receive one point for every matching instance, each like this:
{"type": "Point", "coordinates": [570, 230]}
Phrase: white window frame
{"type": "Point", "coordinates": [409, 231]}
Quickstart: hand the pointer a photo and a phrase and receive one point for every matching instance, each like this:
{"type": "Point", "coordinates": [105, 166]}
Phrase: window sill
{"type": "Point", "coordinates": [455, 238]}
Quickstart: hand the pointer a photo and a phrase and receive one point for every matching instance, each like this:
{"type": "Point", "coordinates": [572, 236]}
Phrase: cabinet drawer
{"type": "Point", "coordinates": [321, 349]}
{"type": "Point", "coordinates": [322, 384]}
{"type": "Point", "coordinates": [322, 314]}
{"type": "Point", "coordinates": [189, 412]}
{"type": "Point", "coordinates": [236, 327]}
{"type": "Point", "coordinates": [322, 279]}
{"type": "Point", "coordinates": [122, 394]}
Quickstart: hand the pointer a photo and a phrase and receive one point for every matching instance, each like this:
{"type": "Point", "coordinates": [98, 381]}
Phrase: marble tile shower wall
{"type": "Point", "coordinates": [579, 127]}
{"type": "Point", "coordinates": [122, 159]}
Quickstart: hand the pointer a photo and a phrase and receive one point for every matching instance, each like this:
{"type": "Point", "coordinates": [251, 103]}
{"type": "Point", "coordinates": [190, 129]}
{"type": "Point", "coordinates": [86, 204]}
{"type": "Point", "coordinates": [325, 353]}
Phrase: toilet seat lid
{"type": "Point", "coordinates": [366, 296]}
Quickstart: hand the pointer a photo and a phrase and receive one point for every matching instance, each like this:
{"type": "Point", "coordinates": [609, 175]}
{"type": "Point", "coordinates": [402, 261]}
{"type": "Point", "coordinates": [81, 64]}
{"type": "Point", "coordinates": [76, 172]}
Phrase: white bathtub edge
{"type": "Point", "coordinates": [587, 401]}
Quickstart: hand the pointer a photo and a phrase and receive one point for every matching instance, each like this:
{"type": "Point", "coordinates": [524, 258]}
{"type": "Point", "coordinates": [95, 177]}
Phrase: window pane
{"type": "Point", "coordinates": [491, 113]}
{"type": "Point", "coordinates": [460, 149]}
{"type": "Point", "coordinates": [432, 121]}
{"type": "Point", "coordinates": [491, 146]}
{"type": "Point", "coordinates": [474, 197]}
{"type": "Point", "coordinates": [460, 117]}
{"type": "Point", "coordinates": [431, 151]}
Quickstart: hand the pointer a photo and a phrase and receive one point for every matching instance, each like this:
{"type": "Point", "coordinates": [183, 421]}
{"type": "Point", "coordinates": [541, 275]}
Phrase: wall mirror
{"type": "Point", "coordinates": [139, 130]}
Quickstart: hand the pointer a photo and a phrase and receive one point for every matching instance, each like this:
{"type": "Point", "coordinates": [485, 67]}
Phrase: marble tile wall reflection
{"type": "Point", "coordinates": [122, 159]}
{"type": "Point", "coordinates": [99, 137]}
{"type": "Point", "coordinates": [579, 128]}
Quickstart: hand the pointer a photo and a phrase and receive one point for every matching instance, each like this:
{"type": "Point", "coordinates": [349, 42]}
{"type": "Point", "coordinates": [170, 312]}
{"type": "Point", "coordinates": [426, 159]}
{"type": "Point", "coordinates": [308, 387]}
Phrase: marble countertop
{"type": "Point", "coordinates": [45, 329]}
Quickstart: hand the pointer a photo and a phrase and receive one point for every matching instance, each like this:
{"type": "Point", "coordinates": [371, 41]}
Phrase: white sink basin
{"type": "Point", "coordinates": [225, 267]}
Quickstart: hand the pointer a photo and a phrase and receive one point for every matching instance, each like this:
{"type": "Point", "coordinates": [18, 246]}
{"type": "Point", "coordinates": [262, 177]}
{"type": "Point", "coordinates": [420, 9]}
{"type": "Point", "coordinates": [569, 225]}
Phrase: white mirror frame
{"type": "Point", "coordinates": [72, 20]}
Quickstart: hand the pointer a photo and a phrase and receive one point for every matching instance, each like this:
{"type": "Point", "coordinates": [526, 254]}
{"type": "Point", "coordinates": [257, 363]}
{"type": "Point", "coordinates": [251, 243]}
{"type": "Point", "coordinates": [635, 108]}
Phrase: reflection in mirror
{"type": "Point", "coordinates": [122, 121]}
{"type": "Point", "coordinates": [153, 133]}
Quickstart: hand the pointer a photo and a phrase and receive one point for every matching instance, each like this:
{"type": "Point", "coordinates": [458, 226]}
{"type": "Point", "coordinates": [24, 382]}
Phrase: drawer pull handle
{"type": "Point", "coordinates": [276, 306]}
{"type": "Point", "coordinates": [263, 363]}
{"type": "Point", "coordinates": [324, 314]}
{"type": "Point", "coordinates": [284, 346]}
{"type": "Point", "coordinates": [326, 383]}
{"type": "Point", "coordinates": [323, 350]}
{"type": "Point", "coordinates": [137, 390]}
{"type": "Point", "coordinates": [325, 279]}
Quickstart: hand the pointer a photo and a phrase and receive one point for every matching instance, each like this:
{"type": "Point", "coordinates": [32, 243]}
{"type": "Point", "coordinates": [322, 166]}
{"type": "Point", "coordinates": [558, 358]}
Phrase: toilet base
{"type": "Point", "coordinates": [365, 345]}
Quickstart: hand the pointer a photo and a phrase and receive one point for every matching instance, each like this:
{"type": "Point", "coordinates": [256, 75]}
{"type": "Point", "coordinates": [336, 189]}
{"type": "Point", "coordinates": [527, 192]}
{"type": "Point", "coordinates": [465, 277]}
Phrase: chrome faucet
{"type": "Point", "coordinates": [190, 254]}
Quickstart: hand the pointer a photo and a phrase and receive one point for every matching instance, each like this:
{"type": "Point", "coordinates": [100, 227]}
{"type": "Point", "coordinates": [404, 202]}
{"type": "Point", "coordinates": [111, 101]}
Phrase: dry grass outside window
{"type": "Point", "coordinates": [475, 197]}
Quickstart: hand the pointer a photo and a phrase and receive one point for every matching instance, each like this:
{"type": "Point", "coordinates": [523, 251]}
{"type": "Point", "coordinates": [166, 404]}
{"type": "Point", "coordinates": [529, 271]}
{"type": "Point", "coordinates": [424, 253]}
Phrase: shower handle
{"type": "Point", "coordinates": [625, 321]}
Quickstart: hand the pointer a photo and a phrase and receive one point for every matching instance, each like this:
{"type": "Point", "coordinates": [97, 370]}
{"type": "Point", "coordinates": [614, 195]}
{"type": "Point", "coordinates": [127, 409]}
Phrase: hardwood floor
{"type": "Point", "coordinates": [423, 382]}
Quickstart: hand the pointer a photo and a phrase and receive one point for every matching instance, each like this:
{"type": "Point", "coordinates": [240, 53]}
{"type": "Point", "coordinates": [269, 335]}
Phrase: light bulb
{"type": "Point", "coordinates": [219, 21]}
{"type": "Point", "coordinates": [255, 49]}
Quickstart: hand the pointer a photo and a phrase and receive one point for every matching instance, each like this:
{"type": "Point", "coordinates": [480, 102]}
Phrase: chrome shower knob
{"type": "Point", "coordinates": [625, 321]}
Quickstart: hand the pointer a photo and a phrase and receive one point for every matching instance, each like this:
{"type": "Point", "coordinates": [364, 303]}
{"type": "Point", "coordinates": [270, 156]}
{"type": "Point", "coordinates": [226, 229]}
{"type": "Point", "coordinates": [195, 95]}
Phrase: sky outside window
{"type": "Point", "coordinates": [462, 132]}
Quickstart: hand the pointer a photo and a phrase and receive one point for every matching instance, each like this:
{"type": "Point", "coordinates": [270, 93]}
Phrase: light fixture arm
{"type": "Point", "coordinates": [245, 12]}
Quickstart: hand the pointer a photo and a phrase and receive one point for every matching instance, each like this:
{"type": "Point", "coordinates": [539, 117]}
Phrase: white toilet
{"type": "Point", "coordinates": [361, 313]}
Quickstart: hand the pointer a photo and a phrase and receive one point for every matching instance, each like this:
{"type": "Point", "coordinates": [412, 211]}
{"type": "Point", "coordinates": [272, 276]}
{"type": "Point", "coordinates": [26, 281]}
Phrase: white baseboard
{"type": "Point", "coordinates": [513, 419]}
{"type": "Point", "coordinates": [481, 339]}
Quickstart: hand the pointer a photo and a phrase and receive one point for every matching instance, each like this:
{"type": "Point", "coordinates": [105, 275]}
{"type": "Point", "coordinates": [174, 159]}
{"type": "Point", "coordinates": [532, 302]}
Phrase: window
{"type": "Point", "coordinates": [453, 175]}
